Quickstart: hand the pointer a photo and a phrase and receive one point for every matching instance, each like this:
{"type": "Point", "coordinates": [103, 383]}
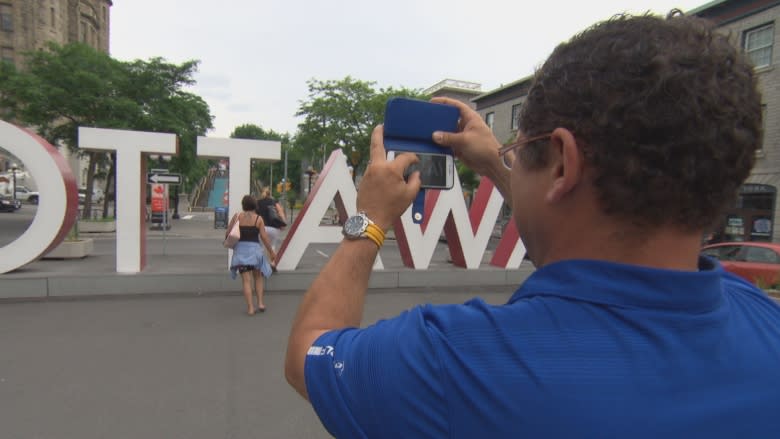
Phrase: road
{"type": "Point", "coordinates": [13, 224]}
{"type": "Point", "coordinates": [162, 367]}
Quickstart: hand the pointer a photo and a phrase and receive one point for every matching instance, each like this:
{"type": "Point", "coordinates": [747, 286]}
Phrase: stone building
{"type": "Point", "coordinates": [751, 25]}
{"type": "Point", "coordinates": [27, 25]}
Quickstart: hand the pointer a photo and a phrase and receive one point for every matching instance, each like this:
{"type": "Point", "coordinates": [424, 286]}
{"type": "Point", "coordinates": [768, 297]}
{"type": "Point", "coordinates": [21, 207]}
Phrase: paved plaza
{"type": "Point", "coordinates": [164, 366]}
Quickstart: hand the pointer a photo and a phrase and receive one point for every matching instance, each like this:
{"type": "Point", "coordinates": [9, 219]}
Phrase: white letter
{"type": "Point", "coordinates": [58, 202]}
{"type": "Point", "coordinates": [240, 153]}
{"type": "Point", "coordinates": [334, 182]}
{"type": "Point", "coordinates": [131, 185]}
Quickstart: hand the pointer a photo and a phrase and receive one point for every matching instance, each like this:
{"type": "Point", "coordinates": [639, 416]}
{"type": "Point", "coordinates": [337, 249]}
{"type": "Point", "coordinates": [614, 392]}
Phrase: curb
{"type": "Point", "coordinates": [292, 282]}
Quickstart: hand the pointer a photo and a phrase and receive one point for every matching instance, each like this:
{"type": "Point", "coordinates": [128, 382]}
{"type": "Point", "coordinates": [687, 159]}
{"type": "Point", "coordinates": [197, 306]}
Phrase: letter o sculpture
{"type": "Point", "coordinates": [58, 202]}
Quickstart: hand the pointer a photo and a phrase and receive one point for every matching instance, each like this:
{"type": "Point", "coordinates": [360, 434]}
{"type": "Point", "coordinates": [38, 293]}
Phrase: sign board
{"type": "Point", "coordinates": [159, 204]}
{"type": "Point", "coordinates": [163, 178]}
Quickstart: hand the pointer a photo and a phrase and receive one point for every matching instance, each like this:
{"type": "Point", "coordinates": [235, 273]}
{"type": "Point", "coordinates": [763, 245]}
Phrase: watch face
{"type": "Point", "coordinates": [355, 226]}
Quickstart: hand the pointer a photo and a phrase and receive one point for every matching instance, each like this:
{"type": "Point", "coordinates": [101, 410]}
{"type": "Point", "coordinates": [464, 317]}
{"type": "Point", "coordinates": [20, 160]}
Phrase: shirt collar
{"type": "Point", "coordinates": [626, 285]}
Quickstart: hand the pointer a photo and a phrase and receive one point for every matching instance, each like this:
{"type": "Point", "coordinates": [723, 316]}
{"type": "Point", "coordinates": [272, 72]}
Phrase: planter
{"type": "Point", "coordinates": [71, 249]}
{"type": "Point", "coordinates": [97, 226]}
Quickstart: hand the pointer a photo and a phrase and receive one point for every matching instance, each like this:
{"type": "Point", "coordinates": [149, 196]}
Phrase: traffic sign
{"type": "Point", "coordinates": [162, 178]}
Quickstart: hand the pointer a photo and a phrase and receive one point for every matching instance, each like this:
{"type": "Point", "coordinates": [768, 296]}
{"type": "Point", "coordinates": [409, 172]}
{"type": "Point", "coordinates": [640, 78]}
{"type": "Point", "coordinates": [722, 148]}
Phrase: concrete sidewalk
{"type": "Point", "coordinates": [189, 259]}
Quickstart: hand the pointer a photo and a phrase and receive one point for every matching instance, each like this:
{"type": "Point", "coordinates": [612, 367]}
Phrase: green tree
{"type": "Point", "coordinates": [64, 87]}
{"type": "Point", "coordinates": [266, 172]}
{"type": "Point", "coordinates": [342, 114]}
{"type": "Point", "coordinates": [158, 88]}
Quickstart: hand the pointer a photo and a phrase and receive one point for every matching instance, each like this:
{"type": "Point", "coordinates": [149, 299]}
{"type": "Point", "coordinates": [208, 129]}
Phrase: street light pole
{"type": "Point", "coordinates": [13, 173]}
{"type": "Point", "coordinates": [175, 202]}
{"type": "Point", "coordinates": [285, 204]}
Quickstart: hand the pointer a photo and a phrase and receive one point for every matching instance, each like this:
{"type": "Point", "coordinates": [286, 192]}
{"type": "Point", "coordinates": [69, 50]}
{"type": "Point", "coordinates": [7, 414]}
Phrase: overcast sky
{"type": "Point", "coordinates": [256, 55]}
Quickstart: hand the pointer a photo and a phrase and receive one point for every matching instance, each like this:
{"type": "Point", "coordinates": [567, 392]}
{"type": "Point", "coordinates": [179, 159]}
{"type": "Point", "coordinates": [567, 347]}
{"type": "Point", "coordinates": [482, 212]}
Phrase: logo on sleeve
{"type": "Point", "coordinates": [317, 351]}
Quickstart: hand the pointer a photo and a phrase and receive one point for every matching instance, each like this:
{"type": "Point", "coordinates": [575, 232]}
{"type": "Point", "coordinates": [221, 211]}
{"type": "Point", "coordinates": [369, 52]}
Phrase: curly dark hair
{"type": "Point", "coordinates": [248, 203]}
{"type": "Point", "coordinates": [666, 112]}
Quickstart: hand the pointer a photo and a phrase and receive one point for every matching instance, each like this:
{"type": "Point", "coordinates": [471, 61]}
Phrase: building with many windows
{"type": "Point", "coordinates": [751, 25]}
{"type": "Point", "coordinates": [27, 25]}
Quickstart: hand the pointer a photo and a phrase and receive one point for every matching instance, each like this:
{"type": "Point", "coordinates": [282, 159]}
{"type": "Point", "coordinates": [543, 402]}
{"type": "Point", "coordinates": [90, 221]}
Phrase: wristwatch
{"type": "Point", "coordinates": [360, 226]}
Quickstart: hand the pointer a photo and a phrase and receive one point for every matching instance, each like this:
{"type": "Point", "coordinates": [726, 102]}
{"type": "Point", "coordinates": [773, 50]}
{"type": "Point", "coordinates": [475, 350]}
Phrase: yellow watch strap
{"type": "Point", "coordinates": [375, 234]}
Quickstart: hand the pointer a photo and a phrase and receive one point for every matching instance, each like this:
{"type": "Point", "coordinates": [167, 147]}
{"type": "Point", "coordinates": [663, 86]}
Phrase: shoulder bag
{"type": "Point", "coordinates": [233, 236]}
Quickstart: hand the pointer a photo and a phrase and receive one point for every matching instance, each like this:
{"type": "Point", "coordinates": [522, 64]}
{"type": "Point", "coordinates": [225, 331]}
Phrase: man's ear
{"type": "Point", "coordinates": [567, 164]}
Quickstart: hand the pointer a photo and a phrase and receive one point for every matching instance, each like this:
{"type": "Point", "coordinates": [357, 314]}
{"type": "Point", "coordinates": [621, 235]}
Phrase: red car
{"type": "Point", "coordinates": [758, 262]}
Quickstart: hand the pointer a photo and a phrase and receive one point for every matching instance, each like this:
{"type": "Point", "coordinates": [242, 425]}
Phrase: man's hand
{"type": "Point", "coordinates": [383, 193]}
{"type": "Point", "coordinates": [474, 144]}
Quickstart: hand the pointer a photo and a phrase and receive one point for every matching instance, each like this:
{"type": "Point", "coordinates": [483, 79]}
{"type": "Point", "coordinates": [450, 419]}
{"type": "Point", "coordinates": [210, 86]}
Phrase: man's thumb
{"type": "Point", "coordinates": [442, 138]}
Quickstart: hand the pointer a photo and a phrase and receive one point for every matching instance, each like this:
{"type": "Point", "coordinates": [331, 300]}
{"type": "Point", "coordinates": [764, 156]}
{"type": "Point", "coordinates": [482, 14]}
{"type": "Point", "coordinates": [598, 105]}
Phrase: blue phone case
{"type": "Point", "coordinates": [409, 126]}
{"type": "Point", "coordinates": [410, 123]}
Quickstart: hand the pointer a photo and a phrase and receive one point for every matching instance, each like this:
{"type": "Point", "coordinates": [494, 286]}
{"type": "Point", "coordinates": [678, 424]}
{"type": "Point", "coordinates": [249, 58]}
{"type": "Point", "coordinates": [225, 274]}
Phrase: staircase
{"type": "Point", "coordinates": [217, 192]}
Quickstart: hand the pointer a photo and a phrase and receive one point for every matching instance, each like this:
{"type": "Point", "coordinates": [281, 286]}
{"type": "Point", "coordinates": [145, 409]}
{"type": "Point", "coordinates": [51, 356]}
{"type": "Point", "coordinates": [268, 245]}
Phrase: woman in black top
{"type": "Point", "coordinates": [249, 259]}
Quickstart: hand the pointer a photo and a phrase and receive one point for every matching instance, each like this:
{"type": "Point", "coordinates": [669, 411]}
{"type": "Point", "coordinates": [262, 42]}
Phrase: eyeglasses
{"type": "Point", "coordinates": [508, 154]}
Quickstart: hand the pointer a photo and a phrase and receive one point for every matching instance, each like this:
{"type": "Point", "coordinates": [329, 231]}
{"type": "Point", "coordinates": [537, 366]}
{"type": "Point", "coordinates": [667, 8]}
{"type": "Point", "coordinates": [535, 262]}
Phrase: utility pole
{"type": "Point", "coordinates": [284, 186]}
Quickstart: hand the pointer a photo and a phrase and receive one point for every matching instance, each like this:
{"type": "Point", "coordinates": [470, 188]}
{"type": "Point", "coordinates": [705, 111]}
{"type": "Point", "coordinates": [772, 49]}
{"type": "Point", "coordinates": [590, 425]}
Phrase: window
{"type": "Point", "coordinates": [489, 118]}
{"type": "Point", "coordinates": [731, 253]}
{"type": "Point", "coordinates": [758, 44]}
{"type": "Point", "coordinates": [7, 54]}
{"type": "Point", "coordinates": [762, 255]}
{"type": "Point", "coordinates": [516, 116]}
{"type": "Point", "coordinates": [83, 31]}
{"type": "Point", "coordinates": [724, 252]}
{"type": "Point", "coordinates": [6, 18]}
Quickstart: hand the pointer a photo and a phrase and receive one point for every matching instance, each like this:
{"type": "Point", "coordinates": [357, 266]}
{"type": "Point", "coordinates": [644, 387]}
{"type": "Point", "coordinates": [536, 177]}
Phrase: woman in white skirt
{"type": "Point", "coordinates": [249, 259]}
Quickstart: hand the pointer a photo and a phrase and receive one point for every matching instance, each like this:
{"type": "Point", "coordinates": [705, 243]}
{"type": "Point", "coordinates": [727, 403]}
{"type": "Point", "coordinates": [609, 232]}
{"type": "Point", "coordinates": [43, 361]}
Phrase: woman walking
{"type": "Point", "coordinates": [249, 259]}
{"type": "Point", "coordinates": [274, 222]}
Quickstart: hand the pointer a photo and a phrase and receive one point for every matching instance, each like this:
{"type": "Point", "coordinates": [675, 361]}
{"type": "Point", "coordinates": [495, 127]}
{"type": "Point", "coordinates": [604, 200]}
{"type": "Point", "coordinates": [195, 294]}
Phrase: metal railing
{"type": "Point", "coordinates": [204, 187]}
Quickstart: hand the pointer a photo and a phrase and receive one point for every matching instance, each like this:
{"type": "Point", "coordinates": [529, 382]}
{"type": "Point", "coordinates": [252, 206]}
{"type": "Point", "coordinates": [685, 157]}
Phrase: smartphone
{"type": "Point", "coordinates": [436, 170]}
{"type": "Point", "coordinates": [408, 127]}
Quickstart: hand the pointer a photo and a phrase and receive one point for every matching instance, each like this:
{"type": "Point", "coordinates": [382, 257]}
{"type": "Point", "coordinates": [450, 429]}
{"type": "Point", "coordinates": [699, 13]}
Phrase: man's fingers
{"type": "Point", "coordinates": [403, 161]}
{"type": "Point", "coordinates": [454, 102]}
{"type": "Point", "coordinates": [377, 153]}
{"type": "Point", "coordinates": [413, 184]}
{"type": "Point", "coordinates": [445, 138]}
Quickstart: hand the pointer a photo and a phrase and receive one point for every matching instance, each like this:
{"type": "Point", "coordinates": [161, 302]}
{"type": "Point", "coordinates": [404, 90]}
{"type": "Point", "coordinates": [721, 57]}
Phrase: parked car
{"type": "Point", "coordinates": [26, 195]}
{"type": "Point", "coordinates": [758, 262]}
{"type": "Point", "coordinates": [9, 205]}
{"type": "Point", "coordinates": [97, 195]}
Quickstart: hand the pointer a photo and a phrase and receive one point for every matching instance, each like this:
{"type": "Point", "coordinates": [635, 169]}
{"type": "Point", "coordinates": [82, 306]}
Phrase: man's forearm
{"type": "Point", "coordinates": [334, 300]}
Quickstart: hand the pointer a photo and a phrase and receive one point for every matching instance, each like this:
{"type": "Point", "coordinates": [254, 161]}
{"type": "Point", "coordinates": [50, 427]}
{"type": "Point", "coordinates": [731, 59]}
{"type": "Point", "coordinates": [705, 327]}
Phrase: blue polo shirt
{"type": "Point", "coordinates": [583, 349]}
